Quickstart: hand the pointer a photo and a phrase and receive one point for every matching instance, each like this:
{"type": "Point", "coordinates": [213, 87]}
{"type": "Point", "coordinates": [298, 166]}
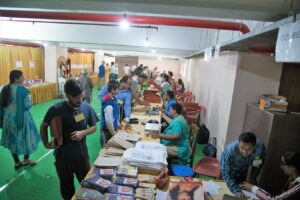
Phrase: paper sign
{"type": "Point", "coordinates": [207, 54]}
{"type": "Point", "coordinates": [19, 64]}
{"type": "Point", "coordinates": [31, 64]}
{"type": "Point", "coordinates": [217, 51]}
{"type": "Point", "coordinates": [288, 42]}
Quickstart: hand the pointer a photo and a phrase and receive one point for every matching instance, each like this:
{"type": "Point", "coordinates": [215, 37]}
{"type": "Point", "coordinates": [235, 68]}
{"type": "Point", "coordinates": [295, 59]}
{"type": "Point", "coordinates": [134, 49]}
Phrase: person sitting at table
{"type": "Point", "coordinates": [180, 86]}
{"type": "Point", "coordinates": [176, 137]}
{"type": "Point", "coordinates": [164, 87]}
{"type": "Point", "coordinates": [110, 113]}
{"type": "Point", "coordinates": [290, 165]}
{"type": "Point", "coordinates": [170, 100]}
{"type": "Point", "coordinates": [240, 158]}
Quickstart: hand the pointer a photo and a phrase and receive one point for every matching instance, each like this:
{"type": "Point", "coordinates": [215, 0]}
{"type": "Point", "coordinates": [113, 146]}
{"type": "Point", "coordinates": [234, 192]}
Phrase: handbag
{"type": "Point", "coordinates": [210, 149]}
{"type": "Point", "coordinates": [203, 135]}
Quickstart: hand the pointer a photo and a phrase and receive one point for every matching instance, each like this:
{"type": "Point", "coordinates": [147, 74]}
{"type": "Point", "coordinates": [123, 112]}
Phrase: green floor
{"type": "Point", "coordinates": [40, 182]}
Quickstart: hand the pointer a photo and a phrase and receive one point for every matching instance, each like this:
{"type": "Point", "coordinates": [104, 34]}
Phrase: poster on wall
{"type": "Point", "coordinates": [31, 64]}
{"type": "Point", "coordinates": [207, 54]}
{"type": "Point", "coordinates": [217, 51]}
{"type": "Point", "coordinates": [19, 64]}
{"type": "Point", "coordinates": [288, 42]}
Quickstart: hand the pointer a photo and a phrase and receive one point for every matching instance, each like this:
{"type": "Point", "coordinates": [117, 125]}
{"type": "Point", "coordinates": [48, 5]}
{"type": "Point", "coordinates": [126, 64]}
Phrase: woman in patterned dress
{"type": "Point", "coordinates": [19, 133]}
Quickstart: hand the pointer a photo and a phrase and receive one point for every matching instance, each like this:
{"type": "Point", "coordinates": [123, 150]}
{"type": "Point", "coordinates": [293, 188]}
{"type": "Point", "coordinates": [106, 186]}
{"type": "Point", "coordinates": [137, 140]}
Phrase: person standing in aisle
{"type": "Point", "coordinates": [112, 71]}
{"type": "Point", "coordinates": [87, 85]}
{"type": "Point", "coordinates": [101, 75]}
{"type": "Point", "coordinates": [126, 70]}
{"type": "Point", "coordinates": [19, 133]}
{"type": "Point", "coordinates": [78, 120]}
{"type": "Point", "coordinates": [107, 73]}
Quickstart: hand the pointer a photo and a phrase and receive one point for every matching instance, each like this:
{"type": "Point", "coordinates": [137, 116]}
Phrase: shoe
{"type": "Point", "coordinates": [18, 165]}
{"type": "Point", "coordinates": [29, 162]}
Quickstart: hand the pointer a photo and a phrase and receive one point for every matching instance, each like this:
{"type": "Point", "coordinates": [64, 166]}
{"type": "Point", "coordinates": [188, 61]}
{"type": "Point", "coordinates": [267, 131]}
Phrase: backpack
{"type": "Point", "coordinates": [203, 135]}
{"type": "Point", "coordinates": [210, 149]}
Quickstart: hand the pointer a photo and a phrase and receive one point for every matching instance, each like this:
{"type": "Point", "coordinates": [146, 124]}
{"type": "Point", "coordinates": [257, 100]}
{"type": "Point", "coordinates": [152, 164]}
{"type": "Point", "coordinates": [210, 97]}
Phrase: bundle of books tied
{"type": "Point", "coordinates": [146, 155]}
{"type": "Point", "coordinates": [120, 183]}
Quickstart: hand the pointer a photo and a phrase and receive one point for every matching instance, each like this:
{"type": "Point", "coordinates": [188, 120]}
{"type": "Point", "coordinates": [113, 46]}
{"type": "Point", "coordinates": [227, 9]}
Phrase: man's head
{"type": "Point", "coordinates": [247, 143]}
{"type": "Point", "coordinates": [125, 82]}
{"type": "Point", "coordinates": [73, 92]}
{"type": "Point", "coordinates": [142, 78]}
{"type": "Point", "coordinates": [170, 95]}
{"type": "Point", "coordinates": [170, 74]}
{"type": "Point", "coordinates": [103, 62]}
{"type": "Point", "coordinates": [113, 87]}
{"type": "Point", "coordinates": [112, 63]}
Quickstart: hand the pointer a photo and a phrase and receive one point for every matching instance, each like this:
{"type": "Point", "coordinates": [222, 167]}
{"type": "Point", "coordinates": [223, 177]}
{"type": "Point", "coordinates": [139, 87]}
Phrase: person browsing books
{"type": "Point", "coordinates": [78, 120]}
{"type": "Point", "coordinates": [241, 158]}
{"type": "Point", "coordinates": [110, 113]}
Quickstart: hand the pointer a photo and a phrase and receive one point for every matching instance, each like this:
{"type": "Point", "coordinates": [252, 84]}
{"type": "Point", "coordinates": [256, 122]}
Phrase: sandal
{"type": "Point", "coordinates": [18, 165]}
{"type": "Point", "coordinates": [29, 162]}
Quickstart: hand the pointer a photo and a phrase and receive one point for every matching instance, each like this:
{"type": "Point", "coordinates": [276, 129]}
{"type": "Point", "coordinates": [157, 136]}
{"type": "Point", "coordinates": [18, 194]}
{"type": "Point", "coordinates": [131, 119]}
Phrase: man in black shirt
{"type": "Point", "coordinates": [78, 119]}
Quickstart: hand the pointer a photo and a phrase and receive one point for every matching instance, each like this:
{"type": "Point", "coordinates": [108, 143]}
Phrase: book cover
{"type": "Point", "coordinates": [131, 182]}
{"type": "Point", "coordinates": [127, 171]}
{"type": "Point", "coordinates": [118, 189]}
{"type": "Point", "coordinates": [111, 196]}
{"type": "Point", "coordinates": [185, 190]}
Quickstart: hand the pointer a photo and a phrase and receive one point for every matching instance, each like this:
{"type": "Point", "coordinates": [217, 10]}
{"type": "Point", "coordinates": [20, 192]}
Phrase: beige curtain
{"type": "Point", "coordinates": [80, 61]}
{"type": "Point", "coordinates": [30, 60]}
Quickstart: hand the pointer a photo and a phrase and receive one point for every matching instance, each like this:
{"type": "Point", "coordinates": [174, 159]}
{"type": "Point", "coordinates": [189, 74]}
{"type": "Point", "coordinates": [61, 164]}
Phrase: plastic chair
{"type": "Point", "coordinates": [208, 166]}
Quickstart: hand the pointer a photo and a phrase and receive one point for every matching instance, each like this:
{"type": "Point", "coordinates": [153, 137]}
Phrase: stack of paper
{"type": "Point", "coordinates": [146, 155]}
{"type": "Point", "coordinates": [118, 142]}
{"type": "Point", "coordinates": [107, 161]}
{"type": "Point", "coordinates": [133, 137]}
{"type": "Point", "coordinates": [111, 151]}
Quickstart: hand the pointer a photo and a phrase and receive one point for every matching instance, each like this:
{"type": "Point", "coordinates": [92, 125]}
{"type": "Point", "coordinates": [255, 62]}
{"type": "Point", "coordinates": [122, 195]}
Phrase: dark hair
{"type": "Point", "coordinates": [112, 85]}
{"type": "Point", "coordinates": [112, 63]}
{"type": "Point", "coordinates": [178, 108]}
{"type": "Point", "coordinates": [124, 79]}
{"type": "Point", "coordinates": [170, 73]}
{"type": "Point", "coordinates": [166, 77]}
{"type": "Point", "coordinates": [181, 82]}
{"type": "Point", "coordinates": [6, 91]}
{"type": "Point", "coordinates": [291, 159]}
{"type": "Point", "coordinates": [73, 88]}
{"type": "Point", "coordinates": [143, 76]}
{"type": "Point", "coordinates": [248, 137]}
{"type": "Point", "coordinates": [171, 94]}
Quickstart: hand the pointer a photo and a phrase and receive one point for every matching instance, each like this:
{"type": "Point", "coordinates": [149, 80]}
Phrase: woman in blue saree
{"type": "Point", "coordinates": [19, 133]}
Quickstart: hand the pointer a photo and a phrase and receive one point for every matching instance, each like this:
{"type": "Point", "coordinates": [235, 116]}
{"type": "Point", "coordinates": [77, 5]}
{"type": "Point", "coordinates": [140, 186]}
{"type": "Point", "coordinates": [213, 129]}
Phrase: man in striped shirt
{"type": "Point", "coordinates": [240, 160]}
{"type": "Point", "coordinates": [290, 164]}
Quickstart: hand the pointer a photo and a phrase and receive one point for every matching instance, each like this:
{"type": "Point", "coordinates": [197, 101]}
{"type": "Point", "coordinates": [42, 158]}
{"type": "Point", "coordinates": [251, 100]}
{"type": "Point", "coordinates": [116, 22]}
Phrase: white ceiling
{"type": "Point", "coordinates": [186, 40]}
{"type": "Point", "coordinates": [261, 10]}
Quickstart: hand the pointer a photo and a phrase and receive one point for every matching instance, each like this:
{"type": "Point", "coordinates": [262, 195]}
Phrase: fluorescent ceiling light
{"type": "Point", "coordinates": [82, 49]}
{"type": "Point", "coordinates": [146, 43]}
{"type": "Point", "coordinates": [124, 24]}
{"type": "Point", "coordinates": [153, 51]}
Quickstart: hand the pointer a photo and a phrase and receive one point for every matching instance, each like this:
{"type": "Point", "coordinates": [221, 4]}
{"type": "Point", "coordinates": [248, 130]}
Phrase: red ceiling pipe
{"type": "Point", "coordinates": [25, 44]}
{"type": "Point", "coordinates": [195, 23]}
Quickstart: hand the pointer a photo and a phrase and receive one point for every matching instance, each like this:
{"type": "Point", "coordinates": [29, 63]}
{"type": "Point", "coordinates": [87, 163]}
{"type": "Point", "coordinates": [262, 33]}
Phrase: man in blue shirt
{"type": "Point", "coordinates": [241, 160]}
{"type": "Point", "coordinates": [101, 75]}
{"type": "Point", "coordinates": [124, 99]}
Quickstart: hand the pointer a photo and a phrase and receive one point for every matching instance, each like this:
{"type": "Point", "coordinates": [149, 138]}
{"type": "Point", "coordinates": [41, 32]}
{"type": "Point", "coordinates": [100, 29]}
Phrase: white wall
{"type": "Point", "coordinates": [52, 53]}
{"type": "Point", "coordinates": [213, 83]}
{"type": "Point", "coordinates": [257, 74]}
{"type": "Point", "coordinates": [163, 64]}
{"type": "Point", "coordinates": [50, 64]}
{"type": "Point", "coordinates": [99, 57]}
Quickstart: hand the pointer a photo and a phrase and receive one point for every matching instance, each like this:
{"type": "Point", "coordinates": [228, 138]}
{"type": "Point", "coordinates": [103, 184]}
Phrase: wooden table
{"type": "Point", "coordinates": [42, 92]}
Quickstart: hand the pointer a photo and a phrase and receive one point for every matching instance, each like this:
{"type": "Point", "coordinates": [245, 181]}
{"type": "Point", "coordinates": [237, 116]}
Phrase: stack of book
{"type": "Point", "coordinates": [119, 143]}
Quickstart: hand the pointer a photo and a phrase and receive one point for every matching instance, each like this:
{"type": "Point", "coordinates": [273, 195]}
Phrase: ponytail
{"type": "Point", "coordinates": [6, 91]}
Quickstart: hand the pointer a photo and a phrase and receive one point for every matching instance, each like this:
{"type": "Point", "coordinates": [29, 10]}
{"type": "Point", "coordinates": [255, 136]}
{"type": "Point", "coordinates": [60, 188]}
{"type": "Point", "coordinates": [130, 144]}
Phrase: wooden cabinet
{"type": "Point", "coordinates": [279, 132]}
